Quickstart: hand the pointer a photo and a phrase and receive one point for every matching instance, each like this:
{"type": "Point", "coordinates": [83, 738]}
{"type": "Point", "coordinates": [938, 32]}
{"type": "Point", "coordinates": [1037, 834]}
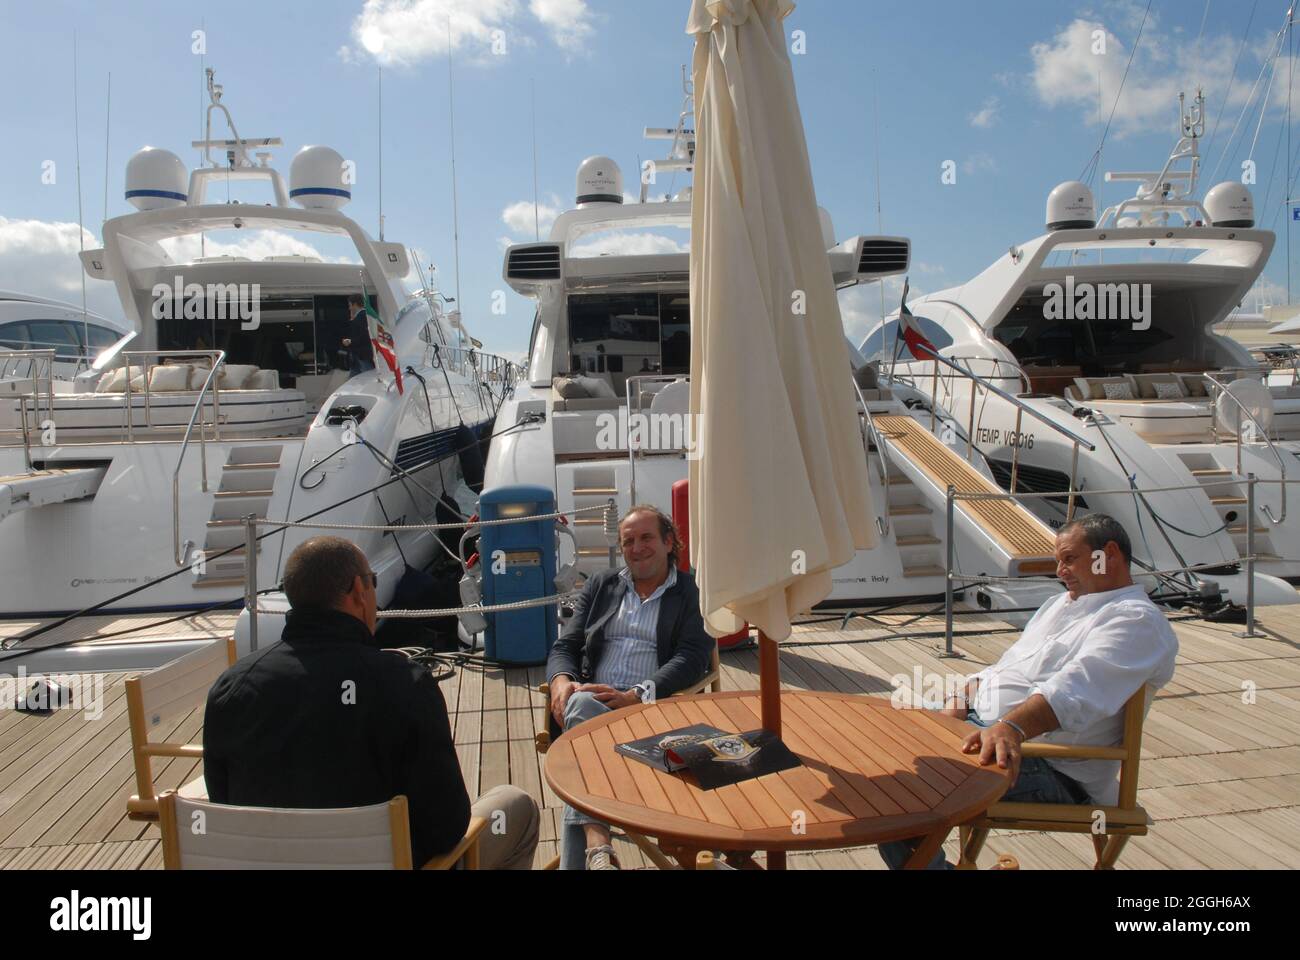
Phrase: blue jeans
{"type": "Point", "coordinates": [1037, 782]}
{"type": "Point", "coordinates": [573, 846]}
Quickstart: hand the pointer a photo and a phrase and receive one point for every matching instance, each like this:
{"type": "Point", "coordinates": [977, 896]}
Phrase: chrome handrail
{"type": "Point", "coordinates": [218, 358]}
{"type": "Point", "coordinates": [1224, 391]}
{"type": "Point", "coordinates": [1013, 400]}
{"type": "Point", "coordinates": [881, 446]}
{"type": "Point", "coordinates": [34, 360]}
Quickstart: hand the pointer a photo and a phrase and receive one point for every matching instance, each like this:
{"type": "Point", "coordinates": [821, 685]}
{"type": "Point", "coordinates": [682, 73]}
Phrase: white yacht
{"type": "Point", "coordinates": [30, 323]}
{"type": "Point", "coordinates": [604, 415]}
{"type": "Point", "coordinates": [1085, 362]}
{"type": "Point", "coordinates": [236, 400]}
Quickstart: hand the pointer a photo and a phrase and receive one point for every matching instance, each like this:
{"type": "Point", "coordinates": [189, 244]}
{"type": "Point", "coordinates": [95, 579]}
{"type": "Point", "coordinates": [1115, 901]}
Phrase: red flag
{"type": "Point", "coordinates": [913, 336]}
{"type": "Point", "coordinates": [384, 346]}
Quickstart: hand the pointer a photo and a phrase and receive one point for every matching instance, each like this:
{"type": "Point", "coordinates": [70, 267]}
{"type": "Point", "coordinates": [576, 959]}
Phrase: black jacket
{"type": "Point", "coordinates": [322, 719]}
{"type": "Point", "coordinates": [359, 332]}
{"type": "Point", "coordinates": [685, 648]}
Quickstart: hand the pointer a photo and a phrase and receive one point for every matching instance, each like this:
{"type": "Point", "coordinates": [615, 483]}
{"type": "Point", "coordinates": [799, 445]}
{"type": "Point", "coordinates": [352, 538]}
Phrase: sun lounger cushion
{"type": "Point", "coordinates": [234, 376]}
{"type": "Point", "coordinates": [1094, 388]}
{"type": "Point", "coordinates": [1194, 384]}
{"type": "Point", "coordinates": [583, 388]}
{"type": "Point", "coordinates": [264, 380]}
{"type": "Point", "coordinates": [170, 379]}
{"type": "Point", "coordinates": [1145, 385]}
{"type": "Point", "coordinates": [115, 382]}
{"type": "Point", "coordinates": [1118, 391]}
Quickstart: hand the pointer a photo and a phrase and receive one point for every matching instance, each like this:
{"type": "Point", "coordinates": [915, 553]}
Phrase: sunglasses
{"type": "Point", "coordinates": [374, 580]}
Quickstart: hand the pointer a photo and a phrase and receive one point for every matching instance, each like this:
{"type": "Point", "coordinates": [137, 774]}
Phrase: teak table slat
{"type": "Point", "coordinates": [871, 773]}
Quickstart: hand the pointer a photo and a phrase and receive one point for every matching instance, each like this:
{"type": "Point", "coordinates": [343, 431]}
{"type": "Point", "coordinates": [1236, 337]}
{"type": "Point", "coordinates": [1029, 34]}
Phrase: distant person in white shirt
{"type": "Point", "coordinates": [1067, 679]}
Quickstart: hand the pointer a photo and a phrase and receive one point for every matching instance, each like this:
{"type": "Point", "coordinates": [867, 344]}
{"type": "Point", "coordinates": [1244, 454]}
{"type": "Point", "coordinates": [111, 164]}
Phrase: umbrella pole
{"type": "Point", "coordinates": [769, 678]}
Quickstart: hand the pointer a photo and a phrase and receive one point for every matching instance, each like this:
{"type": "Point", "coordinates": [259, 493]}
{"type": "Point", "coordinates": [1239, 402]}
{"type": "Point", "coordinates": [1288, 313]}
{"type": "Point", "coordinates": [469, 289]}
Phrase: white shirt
{"type": "Point", "coordinates": [631, 636]}
{"type": "Point", "coordinates": [1086, 657]}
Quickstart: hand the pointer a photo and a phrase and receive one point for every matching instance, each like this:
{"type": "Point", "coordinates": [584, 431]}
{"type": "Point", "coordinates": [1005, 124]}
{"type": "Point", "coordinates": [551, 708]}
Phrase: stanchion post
{"type": "Point", "coordinates": [1250, 559]}
{"type": "Point", "coordinates": [250, 578]}
{"type": "Point", "coordinates": [950, 546]}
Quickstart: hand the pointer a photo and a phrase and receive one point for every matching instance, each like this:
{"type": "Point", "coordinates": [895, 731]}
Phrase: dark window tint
{"type": "Point", "coordinates": [101, 337]}
{"type": "Point", "coordinates": [13, 336]}
{"type": "Point", "coordinates": [56, 334]}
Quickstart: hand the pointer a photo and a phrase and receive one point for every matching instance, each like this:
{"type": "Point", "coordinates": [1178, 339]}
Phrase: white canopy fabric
{"type": "Point", "coordinates": [779, 491]}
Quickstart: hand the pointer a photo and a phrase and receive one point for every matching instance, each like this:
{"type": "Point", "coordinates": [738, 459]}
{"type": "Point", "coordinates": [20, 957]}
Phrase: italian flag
{"type": "Point", "coordinates": [383, 343]}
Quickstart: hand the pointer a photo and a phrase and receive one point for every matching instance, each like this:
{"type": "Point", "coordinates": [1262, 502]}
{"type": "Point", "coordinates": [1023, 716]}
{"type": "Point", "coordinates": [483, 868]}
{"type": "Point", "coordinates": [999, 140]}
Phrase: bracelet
{"type": "Point", "coordinates": [1016, 727]}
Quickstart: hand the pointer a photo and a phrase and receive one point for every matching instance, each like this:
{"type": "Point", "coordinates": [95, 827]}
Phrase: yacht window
{"type": "Point", "coordinates": [629, 334]}
{"type": "Point", "coordinates": [56, 334]}
{"type": "Point", "coordinates": [13, 336]}
{"type": "Point", "coordinates": [101, 337]}
{"type": "Point", "coordinates": [299, 336]}
{"type": "Point", "coordinates": [886, 339]}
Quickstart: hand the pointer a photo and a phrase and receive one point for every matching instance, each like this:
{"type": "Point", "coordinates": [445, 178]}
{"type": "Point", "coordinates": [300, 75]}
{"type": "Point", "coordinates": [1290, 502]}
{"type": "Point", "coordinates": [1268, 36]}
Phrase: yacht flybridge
{"type": "Point", "coordinates": [603, 412]}
{"type": "Point", "coordinates": [1083, 363]}
{"type": "Point", "coordinates": [237, 399]}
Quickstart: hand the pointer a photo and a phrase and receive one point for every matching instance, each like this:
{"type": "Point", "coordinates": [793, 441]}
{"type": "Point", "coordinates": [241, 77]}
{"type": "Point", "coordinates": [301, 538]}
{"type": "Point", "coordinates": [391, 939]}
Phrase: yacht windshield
{"type": "Point", "coordinates": [623, 335]}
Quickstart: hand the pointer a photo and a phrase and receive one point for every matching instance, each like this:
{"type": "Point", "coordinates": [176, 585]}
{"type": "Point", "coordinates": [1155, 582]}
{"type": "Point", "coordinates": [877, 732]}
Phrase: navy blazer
{"type": "Point", "coordinates": [685, 649]}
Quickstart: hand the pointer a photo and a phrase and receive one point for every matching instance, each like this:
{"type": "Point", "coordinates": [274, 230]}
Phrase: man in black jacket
{"type": "Point", "coordinates": [324, 719]}
{"type": "Point", "coordinates": [636, 635]}
{"type": "Point", "coordinates": [357, 342]}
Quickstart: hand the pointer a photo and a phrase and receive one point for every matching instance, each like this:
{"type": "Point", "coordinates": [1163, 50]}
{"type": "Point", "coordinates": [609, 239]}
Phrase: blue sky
{"type": "Point", "coordinates": [1006, 89]}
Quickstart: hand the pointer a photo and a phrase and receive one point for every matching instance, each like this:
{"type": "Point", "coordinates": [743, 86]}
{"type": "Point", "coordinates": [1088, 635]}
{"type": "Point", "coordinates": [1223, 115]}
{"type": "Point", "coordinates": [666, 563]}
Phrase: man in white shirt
{"type": "Point", "coordinates": [1066, 680]}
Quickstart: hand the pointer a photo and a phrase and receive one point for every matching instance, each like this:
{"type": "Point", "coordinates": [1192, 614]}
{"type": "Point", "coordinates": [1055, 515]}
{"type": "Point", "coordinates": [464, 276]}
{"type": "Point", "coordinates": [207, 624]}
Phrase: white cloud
{"type": "Point", "coordinates": [405, 32]}
{"type": "Point", "coordinates": [257, 245]}
{"type": "Point", "coordinates": [39, 257]}
{"type": "Point", "coordinates": [569, 21]}
{"type": "Point", "coordinates": [520, 219]}
{"type": "Point", "coordinates": [621, 243]}
{"type": "Point", "coordinates": [1067, 72]}
{"type": "Point", "coordinates": [987, 115]}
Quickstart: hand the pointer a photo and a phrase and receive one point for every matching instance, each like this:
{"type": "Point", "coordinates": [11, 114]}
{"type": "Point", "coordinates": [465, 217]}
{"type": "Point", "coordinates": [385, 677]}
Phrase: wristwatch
{"type": "Point", "coordinates": [641, 690]}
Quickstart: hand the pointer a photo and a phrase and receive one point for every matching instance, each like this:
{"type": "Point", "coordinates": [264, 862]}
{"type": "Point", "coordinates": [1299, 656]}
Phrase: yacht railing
{"type": "Point", "coordinates": [218, 358]}
{"type": "Point", "coordinates": [1258, 430]}
{"type": "Point", "coordinates": [36, 361]}
{"type": "Point", "coordinates": [871, 434]}
{"type": "Point", "coordinates": [1021, 409]}
{"type": "Point", "coordinates": [636, 451]}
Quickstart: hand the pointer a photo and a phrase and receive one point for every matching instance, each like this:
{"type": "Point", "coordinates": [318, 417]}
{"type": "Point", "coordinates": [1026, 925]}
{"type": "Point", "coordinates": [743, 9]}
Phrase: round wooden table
{"type": "Point", "coordinates": [871, 773]}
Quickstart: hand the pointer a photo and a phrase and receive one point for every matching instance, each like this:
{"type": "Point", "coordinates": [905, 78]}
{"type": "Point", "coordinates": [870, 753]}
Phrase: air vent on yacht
{"type": "Point", "coordinates": [534, 262]}
{"type": "Point", "coordinates": [884, 256]}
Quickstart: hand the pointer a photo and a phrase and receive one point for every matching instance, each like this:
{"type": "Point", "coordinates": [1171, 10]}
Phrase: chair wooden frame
{"type": "Point", "coordinates": [1126, 819]}
{"type": "Point", "coordinates": [140, 703]}
{"type": "Point", "coordinates": [467, 850]}
{"type": "Point", "coordinates": [711, 681]}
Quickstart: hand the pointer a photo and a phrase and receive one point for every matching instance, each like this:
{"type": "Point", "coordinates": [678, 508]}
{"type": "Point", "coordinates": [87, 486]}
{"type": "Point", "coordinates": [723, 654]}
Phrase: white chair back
{"type": "Point", "coordinates": [198, 835]}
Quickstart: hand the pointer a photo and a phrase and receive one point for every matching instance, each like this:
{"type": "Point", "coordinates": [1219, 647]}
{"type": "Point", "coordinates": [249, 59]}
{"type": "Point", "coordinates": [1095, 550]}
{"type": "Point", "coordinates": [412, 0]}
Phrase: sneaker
{"type": "Point", "coordinates": [602, 858]}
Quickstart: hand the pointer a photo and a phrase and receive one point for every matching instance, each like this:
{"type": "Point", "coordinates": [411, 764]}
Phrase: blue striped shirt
{"type": "Point", "coordinates": [631, 645]}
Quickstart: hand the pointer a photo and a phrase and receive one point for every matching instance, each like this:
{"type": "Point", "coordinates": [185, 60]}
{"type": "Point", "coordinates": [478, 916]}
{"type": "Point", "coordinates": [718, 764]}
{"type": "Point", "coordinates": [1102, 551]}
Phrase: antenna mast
{"type": "Point", "coordinates": [81, 230]}
{"type": "Point", "coordinates": [381, 154]}
{"type": "Point", "coordinates": [455, 200]}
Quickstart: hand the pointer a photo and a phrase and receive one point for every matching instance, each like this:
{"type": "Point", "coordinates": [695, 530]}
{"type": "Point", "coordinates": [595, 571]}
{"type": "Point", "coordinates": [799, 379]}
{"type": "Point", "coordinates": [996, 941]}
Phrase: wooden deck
{"type": "Point", "coordinates": [1220, 774]}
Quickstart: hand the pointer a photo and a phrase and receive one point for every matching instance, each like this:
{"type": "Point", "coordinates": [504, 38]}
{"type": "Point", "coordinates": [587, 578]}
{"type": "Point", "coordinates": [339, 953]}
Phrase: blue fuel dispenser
{"type": "Point", "coordinates": [518, 562]}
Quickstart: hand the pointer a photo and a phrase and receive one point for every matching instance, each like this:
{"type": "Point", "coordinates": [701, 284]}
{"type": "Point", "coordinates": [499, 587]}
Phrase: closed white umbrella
{"type": "Point", "coordinates": [779, 485]}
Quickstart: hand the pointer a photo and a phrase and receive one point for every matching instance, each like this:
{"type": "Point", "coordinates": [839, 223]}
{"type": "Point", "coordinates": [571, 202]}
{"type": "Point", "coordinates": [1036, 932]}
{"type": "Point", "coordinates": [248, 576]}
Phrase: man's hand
{"type": "Point", "coordinates": [347, 343]}
{"type": "Point", "coordinates": [955, 709]}
{"type": "Point", "coordinates": [562, 688]}
{"type": "Point", "coordinates": [610, 697]}
{"type": "Point", "coordinates": [1000, 742]}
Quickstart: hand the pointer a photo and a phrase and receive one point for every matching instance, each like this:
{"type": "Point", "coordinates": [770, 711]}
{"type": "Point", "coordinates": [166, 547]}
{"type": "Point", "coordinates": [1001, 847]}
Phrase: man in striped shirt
{"type": "Point", "coordinates": [636, 635]}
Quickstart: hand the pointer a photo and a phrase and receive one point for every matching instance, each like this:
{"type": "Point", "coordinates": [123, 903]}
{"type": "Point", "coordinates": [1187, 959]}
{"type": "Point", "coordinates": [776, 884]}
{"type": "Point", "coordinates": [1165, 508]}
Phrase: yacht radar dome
{"type": "Point", "coordinates": [316, 179]}
{"type": "Point", "coordinates": [1070, 207]}
{"type": "Point", "coordinates": [599, 181]}
{"type": "Point", "coordinates": [1230, 204]}
{"type": "Point", "coordinates": [156, 179]}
